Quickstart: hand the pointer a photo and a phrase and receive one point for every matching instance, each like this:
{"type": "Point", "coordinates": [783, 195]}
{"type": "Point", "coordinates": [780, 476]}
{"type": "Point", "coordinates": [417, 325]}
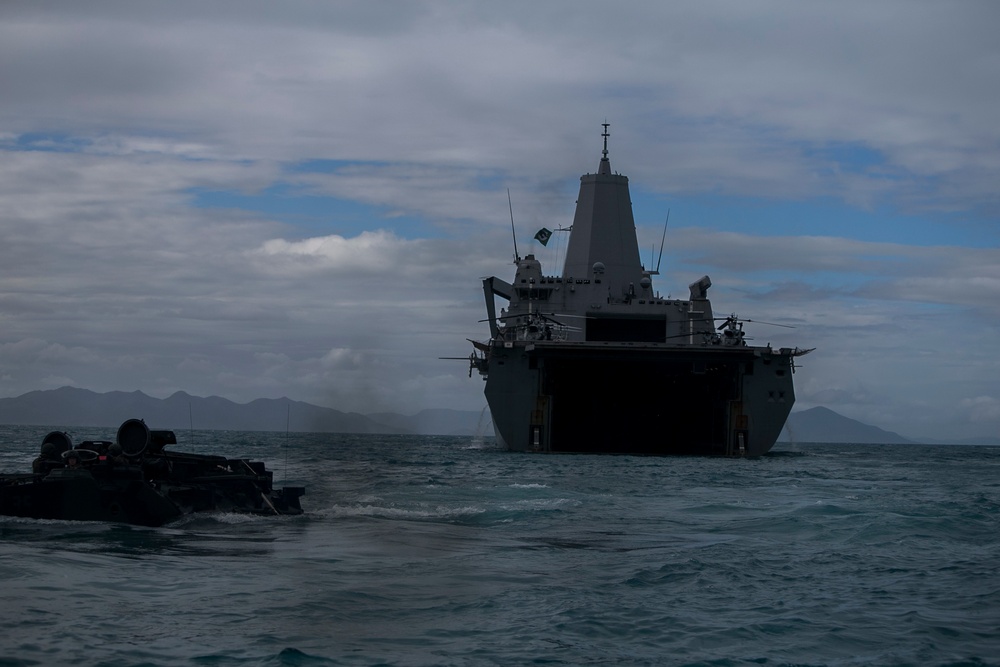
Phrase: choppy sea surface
{"type": "Point", "coordinates": [449, 551]}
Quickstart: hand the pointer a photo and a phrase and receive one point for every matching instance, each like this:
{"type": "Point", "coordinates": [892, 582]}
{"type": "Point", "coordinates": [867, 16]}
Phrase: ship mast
{"type": "Point", "coordinates": [603, 244]}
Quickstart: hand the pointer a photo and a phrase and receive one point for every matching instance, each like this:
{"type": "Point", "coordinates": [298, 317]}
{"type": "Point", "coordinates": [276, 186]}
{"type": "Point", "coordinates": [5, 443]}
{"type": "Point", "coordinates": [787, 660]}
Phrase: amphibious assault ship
{"type": "Point", "coordinates": [594, 360]}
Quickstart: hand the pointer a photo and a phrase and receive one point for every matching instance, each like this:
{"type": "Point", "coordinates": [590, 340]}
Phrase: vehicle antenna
{"type": "Point", "coordinates": [517, 258]}
{"type": "Point", "coordinates": [288, 419]}
{"type": "Point", "coordinates": [662, 239]}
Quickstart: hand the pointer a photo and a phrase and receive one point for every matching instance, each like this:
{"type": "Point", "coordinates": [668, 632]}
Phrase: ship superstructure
{"type": "Point", "coordinates": [594, 360]}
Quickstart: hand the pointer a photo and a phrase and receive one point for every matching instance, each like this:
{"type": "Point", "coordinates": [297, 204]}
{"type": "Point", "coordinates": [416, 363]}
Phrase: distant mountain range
{"type": "Point", "coordinates": [71, 407]}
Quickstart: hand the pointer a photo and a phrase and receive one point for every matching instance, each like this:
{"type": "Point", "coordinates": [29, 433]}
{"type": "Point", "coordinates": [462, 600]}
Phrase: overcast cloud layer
{"type": "Point", "coordinates": [257, 199]}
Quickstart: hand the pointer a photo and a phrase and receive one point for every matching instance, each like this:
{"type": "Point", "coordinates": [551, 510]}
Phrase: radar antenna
{"type": "Point", "coordinates": [662, 239]}
{"type": "Point", "coordinates": [517, 257]}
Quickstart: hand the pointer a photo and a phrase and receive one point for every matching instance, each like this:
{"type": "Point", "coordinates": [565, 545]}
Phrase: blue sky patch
{"type": "Point", "coordinates": [314, 215]}
{"type": "Point", "coordinates": [847, 156]}
{"type": "Point", "coordinates": [817, 217]}
{"type": "Point", "coordinates": [51, 142]}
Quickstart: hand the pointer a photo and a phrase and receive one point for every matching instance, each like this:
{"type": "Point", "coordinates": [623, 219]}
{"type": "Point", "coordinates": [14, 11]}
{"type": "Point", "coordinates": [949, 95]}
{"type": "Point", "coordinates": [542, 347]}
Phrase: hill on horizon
{"type": "Point", "coordinates": [72, 407]}
{"type": "Point", "coordinates": [821, 424]}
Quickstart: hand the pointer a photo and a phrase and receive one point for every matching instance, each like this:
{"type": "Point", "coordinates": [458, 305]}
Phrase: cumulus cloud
{"type": "Point", "coordinates": [369, 252]}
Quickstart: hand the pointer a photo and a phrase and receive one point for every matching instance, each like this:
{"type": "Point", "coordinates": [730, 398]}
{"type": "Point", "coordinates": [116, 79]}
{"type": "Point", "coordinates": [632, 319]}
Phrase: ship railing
{"type": "Point", "coordinates": [535, 333]}
{"type": "Point", "coordinates": [533, 327]}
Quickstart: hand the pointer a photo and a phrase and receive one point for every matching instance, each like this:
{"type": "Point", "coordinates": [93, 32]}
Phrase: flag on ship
{"type": "Point", "coordinates": [543, 236]}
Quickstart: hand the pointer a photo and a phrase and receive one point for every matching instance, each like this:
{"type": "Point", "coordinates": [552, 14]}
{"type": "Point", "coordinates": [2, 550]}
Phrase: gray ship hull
{"type": "Point", "coordinates": [638, 399]}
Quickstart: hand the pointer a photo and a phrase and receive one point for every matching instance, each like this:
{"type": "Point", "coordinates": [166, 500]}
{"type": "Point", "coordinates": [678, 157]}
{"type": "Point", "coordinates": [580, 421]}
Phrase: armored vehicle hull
{"type": "Point", "coordinates": [136, 480]}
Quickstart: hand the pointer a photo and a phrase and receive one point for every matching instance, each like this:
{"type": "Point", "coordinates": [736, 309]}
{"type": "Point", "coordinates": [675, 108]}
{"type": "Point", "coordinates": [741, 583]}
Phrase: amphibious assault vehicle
{"type": "Point", "coordinates": [135, 479]}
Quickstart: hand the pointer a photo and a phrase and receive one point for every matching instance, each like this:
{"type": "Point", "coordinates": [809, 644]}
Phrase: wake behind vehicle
{"type": "Point", "coordinates": [136, 480]}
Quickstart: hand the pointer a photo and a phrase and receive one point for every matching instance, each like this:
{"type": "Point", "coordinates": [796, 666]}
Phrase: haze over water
{"type": "Point", "coordinates": [437, 550]}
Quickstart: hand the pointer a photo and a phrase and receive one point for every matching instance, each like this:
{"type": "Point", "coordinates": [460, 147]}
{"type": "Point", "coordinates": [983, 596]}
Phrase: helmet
{"type": "Point", "coordinates": [115, 449]}
{"type": "Point", "coordinates": [49, 450]}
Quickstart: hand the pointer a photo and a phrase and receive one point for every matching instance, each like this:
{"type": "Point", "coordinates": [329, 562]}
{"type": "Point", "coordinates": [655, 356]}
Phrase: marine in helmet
{"type": "Point", "coordinates": [47, 459]}
{"type": "Point", "coordinates": [115, 454]}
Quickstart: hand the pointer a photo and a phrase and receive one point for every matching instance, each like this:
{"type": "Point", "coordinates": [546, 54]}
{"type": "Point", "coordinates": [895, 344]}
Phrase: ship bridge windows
{"type": "Point", "coordinates": [534, 293]}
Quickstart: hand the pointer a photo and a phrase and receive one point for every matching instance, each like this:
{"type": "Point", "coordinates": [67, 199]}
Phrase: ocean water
{"type": "Point", "coordinates": [450, 551]}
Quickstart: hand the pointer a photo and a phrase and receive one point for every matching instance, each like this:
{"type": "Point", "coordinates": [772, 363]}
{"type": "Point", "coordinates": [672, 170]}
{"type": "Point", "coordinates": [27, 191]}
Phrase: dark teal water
{"type": "Point", "coordinates": [448, 551]}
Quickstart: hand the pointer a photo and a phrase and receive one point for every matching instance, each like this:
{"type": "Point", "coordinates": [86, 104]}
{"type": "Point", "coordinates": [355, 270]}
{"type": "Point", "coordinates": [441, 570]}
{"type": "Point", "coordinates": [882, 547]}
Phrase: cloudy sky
{"type": "Point", "coordinates": [259, 199]}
